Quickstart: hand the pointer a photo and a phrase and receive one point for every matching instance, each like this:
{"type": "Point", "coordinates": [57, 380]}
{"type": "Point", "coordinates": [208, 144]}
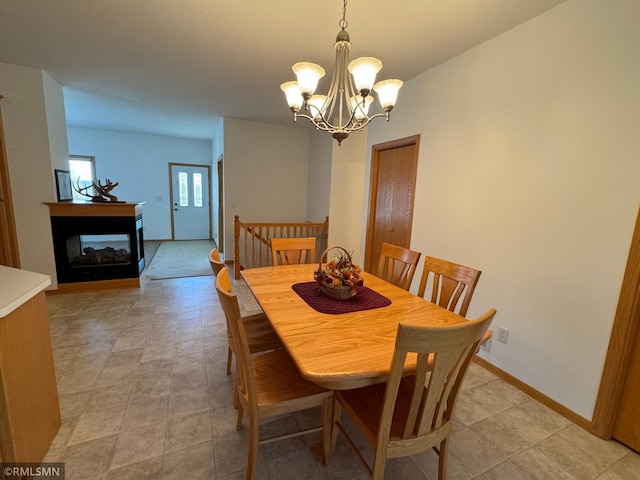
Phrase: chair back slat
{"type": "Point", "coordinates": [397, 265]}
{"type": "Point", "coordinates": [292, 251]}
{"type": "Point", "coordinates": [452, 284]}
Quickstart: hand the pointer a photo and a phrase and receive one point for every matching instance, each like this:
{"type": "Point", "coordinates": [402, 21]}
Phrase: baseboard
{"type": "Point", "coordinates": [536, 395]}
{"type": "Point", "coordinates": [78, 287]}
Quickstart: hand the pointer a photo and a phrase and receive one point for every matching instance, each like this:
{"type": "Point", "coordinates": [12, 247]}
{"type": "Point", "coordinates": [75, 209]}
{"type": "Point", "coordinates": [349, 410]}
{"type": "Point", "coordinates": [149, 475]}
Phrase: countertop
{"type": "Point", "coordinates": [18, 287]}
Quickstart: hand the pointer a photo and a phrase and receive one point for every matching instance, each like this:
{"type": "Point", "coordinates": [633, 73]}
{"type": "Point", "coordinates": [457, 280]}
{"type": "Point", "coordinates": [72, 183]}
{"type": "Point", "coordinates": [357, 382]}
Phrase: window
{"type": "Point", "coordinates": [183, 185]}
{"type": "Point", "coordinates": [83, 175]}
{"type": "Point", "coordinates": [197, 189]}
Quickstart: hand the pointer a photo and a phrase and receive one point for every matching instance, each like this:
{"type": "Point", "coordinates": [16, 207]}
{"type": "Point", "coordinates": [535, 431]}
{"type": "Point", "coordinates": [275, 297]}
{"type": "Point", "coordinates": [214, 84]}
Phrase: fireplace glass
{"type": "Point", "coordinates": [98, 250]}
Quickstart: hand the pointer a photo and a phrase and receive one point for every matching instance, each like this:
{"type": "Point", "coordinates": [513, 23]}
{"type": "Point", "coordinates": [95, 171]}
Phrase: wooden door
{"type": "Point", "coordinates": [626, 428]}
{"type": "Point", "coordinates": [394, 167]}
{"type": "Point", "coordinates": [616, 411]}
{"type": "Point", "coordinates": [9, 255]}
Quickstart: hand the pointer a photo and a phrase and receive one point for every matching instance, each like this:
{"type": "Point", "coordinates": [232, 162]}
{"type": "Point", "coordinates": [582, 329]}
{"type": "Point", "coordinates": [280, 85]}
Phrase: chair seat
{"type": "Point", "coordinates": [367, 404]}
{"type": "Point", "coordinates": [260, 334]}
{"type": "Point", "coordinates": [278, 381]}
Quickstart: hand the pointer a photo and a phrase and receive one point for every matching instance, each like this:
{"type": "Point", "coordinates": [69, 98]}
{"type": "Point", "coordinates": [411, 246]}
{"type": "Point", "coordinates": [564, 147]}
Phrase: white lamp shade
{"type": "Point", "coordinates": [316, 105]}
{"type": "Point", "coordinates": [308, 75]}
{"type": "Point", "coordinates": [357, 106]}
{"type": "Point", "coordinates": [387, 91]}
{"type": "Point", "coordinates": [292, 92]}
{"type": "Point", "coordinates": [364, 71]}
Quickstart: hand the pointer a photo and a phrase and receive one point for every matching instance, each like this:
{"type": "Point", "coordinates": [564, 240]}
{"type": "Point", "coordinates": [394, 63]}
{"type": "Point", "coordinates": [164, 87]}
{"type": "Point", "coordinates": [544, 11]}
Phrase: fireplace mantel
{"type": "Point", "coordinates": [89, 209]}
{"type": "Point", "coordinates": [97, 245]}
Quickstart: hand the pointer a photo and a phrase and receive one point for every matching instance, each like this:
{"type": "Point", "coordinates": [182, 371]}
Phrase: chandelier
{"type": "Point", "coordinates": [345, 107]}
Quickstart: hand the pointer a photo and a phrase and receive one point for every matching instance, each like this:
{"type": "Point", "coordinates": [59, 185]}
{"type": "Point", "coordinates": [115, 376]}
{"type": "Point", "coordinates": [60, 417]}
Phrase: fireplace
{"type": "Point", "coordinates": [97, 242]}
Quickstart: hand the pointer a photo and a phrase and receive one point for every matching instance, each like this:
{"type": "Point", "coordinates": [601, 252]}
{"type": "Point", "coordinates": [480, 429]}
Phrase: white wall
{"type": "Point", "coordinates": [348, 212]}
{"type": "Point", "coordinates": [265, 174]}
{"type": "Point", "coordinates": [319, 176]}
{"type": "Point", "coordinates": [33, 117]}
{"type": "Point", "coordinates": [529, 168]}
{"type": "Point", "coordinates": [140, 163]}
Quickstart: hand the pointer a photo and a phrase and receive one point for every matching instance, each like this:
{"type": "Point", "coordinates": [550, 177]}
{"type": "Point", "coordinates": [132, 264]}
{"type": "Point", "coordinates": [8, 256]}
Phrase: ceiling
{"type": "Point", "coordinates": [176, 67]}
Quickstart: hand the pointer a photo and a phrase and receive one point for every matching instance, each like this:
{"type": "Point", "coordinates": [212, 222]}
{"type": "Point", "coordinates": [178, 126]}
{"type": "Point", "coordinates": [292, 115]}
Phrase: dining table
{"type": "Point", "coordinates": [340, 344]}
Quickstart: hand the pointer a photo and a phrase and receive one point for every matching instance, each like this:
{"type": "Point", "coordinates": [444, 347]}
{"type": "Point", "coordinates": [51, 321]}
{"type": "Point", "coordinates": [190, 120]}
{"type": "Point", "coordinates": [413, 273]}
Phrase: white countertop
{"type": "Point", "coordinates": [18, 287]}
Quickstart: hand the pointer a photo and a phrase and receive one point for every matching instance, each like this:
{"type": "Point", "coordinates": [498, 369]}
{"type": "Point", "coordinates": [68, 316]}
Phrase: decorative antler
{"type": "Point", "coordinates": [102, 191]}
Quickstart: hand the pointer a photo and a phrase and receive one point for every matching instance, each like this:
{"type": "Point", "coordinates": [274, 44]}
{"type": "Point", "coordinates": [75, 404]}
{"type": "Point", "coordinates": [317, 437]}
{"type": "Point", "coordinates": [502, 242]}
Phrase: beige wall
{"type": "Point", "coordinates": [529, 170]}
{"type": "Point", "coordinates": [35, 134]}
{"type": "Point", "coordinates": [265, 173]}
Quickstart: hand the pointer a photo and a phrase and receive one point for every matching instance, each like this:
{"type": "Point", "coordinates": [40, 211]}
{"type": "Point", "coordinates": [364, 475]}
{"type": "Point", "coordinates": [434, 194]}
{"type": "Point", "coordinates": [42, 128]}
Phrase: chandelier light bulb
{"type": "Point", "coordinates": [308, 75]}
{"type": "Point", "coordinates": [387, 91]}
{"type": "Point", "coordinates": [364, 71]}
{"type": "Point", "coordinates": [360, 106]}
{"type": "Point", "coordinates": [316, 105]}
{"type": "Point", "coordinates": [292, 92]}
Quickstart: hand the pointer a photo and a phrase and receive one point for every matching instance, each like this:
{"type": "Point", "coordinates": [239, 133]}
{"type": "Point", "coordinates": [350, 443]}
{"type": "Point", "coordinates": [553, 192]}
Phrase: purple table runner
{"type": "Point", "coordinates": [366, 299]}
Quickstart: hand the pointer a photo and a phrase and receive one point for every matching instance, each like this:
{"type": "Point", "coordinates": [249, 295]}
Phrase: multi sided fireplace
{"type": "Point", "coordinates": [97, 242]}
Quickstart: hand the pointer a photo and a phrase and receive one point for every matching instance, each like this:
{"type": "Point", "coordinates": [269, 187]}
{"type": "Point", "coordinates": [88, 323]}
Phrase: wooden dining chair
{"type": "Point", "coordinates": [258, 331]}
{"type": "Point", "coordinates": [397, 265]}
{"type": "Point", "coordinates": [450, 282]}
{"type": "Point", "coordinates": [290, 251]}
{"type": "Point", "coordinates": [411, 413]}
{"type": "Point", "coordinates": [269, 384]}
{"type": "Point", "coordinates": [215, 262]}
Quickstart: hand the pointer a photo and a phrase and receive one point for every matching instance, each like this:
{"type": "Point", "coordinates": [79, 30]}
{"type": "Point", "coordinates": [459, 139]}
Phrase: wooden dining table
{"type": "Point", "coordinates": [345, 350]}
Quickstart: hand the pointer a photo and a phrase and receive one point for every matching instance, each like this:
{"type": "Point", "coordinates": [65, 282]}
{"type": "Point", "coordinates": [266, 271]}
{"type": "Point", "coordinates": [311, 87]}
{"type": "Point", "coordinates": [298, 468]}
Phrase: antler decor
{"type": "Point", "coordinates": [102, 191]}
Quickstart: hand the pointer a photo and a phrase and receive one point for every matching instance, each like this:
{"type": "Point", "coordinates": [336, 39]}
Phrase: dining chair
{"type": "Point", "coordinates": [450, 283]}
{"type": "Point", "coordinates": [258, 331]}
{"type": "Point", "coordinates": [269, 384]}
{"type": "Point", "coordinates": [215, 262]}
{"type": "Point", "coordinates": [290, 251]}
{"type": "Point", "coordinates": [411, 413]}
{"type": "Point", "coordinates": [397, 265]}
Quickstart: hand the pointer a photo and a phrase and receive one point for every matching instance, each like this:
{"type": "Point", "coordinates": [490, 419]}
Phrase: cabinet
{"type": "Point", "coordinates": [29, 408]}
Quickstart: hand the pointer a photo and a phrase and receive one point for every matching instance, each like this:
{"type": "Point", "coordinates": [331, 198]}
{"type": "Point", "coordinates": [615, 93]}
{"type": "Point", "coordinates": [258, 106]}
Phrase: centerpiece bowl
{"type": "Point", "coordinates": [339, 278]}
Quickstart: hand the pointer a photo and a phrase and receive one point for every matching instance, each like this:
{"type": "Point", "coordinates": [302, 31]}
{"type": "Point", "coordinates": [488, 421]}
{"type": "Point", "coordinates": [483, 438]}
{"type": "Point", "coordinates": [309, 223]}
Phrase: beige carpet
{"type": "Point", "coordinates": [186, 258]}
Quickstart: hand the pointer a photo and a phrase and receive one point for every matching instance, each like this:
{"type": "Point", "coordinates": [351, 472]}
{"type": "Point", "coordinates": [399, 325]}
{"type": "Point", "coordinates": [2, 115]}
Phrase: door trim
{"type": "Point", "coordinates": [197, 165]}
{"type": "Point", "coordinates": [373, 182]}
{"type": "Point", "coordinates": [625, 328]}
{"type": "Point", "coordinates": [9, 252]}
{"type": "Point", "coordinates": [220, 166]}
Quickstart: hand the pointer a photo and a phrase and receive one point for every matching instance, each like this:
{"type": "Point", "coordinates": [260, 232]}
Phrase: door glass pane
{"type": "Point", "coordinates": [197, 189]}
{"type": "Point", "coordinates": [184, 189]}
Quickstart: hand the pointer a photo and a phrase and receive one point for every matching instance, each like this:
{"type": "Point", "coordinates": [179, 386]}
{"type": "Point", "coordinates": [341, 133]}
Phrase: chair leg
{"type": "Point", "coordinates": [337, 411]}
{"type": "Point", "coordinates": [239, 418]}
{"type": "Point", "coordinates": [327, 428]}
{"type": "Point", "coordinates": [229, 356]}
{"type": "Point", "coordinates": [253, 447]}
{"type": "Point", "coordinates": [442, 460]}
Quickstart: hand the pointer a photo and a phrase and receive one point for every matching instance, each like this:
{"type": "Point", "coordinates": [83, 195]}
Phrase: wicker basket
{"type": "Point", "coordinates": [336, 292]}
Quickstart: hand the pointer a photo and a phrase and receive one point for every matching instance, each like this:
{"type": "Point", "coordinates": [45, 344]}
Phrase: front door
{"type": "Point", "coordinates": [393, 182]}
{"type": "Point", "coordinates": [190, 205]}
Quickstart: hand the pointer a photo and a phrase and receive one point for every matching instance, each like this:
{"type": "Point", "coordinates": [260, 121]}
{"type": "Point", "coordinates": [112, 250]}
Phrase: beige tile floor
{"type": "Point", "coordinates": [144, 396]}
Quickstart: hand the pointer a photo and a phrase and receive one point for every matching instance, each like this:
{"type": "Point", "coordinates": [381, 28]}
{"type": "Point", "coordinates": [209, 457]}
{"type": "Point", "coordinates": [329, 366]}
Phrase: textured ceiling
{"type": "Point", "coordinates": [175, 67]}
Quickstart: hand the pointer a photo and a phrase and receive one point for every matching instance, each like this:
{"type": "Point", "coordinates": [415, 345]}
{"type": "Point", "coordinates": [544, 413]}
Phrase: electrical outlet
{"type": "Point", "coordinates": [503, 334]}
{"type": "Point", "coordinates": [486, 346]}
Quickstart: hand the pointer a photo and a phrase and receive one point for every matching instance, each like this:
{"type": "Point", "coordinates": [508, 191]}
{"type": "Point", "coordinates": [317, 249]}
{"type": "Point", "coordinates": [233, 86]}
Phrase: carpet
{"type": "Point", "coordinates": [185, 258]}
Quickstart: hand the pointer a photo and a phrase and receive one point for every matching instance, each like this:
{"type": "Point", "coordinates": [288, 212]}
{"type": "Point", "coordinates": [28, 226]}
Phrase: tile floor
{"type": "Point", "coordinates": [144, 396]}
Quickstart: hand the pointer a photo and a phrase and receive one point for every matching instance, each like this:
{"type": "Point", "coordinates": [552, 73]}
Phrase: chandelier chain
{"type": "Point", "coordinates": [343, 22]}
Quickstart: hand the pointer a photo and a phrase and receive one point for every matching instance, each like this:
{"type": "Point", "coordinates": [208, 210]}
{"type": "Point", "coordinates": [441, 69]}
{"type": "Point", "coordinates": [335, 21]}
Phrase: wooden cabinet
{"type": "Point", "coordinates": [29, 409]}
